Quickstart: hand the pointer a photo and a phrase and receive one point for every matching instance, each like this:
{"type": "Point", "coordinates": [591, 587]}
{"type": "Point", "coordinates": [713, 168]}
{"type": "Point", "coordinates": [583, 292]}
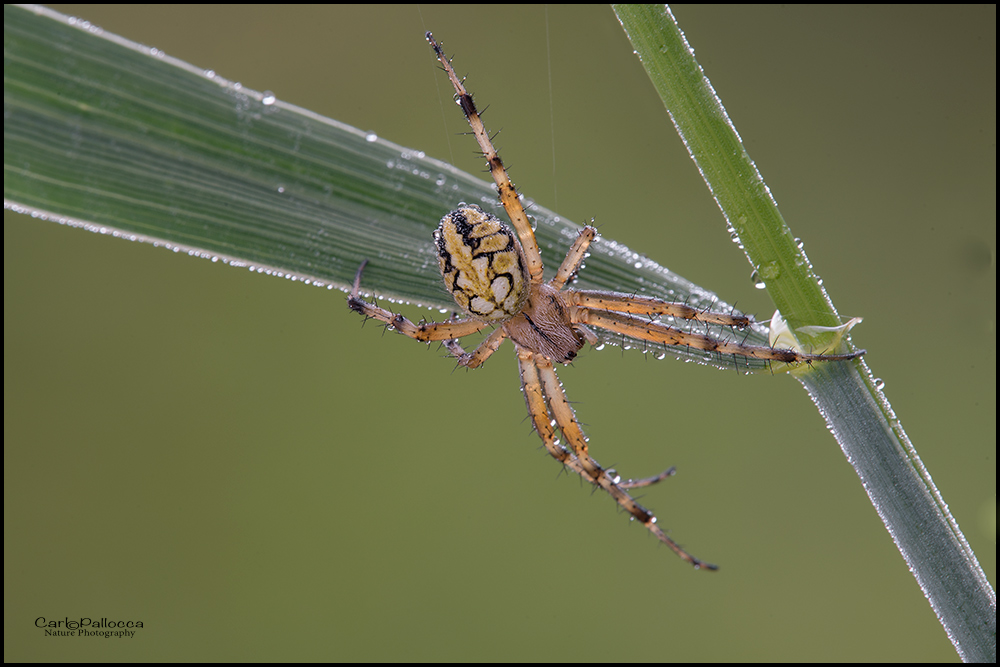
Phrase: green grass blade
{"type": "Point", "coordinates": [128, 141]}
{"type": "Point", "coordinates": [736, 184]}
{"type": "Point", "coordinates": [855, 409]}
{"type": "Point", "coordinates": [131, 140]}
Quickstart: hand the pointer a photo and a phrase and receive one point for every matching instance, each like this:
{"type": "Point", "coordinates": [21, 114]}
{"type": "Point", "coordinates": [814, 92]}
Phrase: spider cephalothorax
{"type": "Point", "coordinates": [494, 274]}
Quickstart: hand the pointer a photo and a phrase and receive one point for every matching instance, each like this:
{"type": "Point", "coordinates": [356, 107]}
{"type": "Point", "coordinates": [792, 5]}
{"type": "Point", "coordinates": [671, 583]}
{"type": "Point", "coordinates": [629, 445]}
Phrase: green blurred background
{"type": "Point", "coordinates": [235, 461]}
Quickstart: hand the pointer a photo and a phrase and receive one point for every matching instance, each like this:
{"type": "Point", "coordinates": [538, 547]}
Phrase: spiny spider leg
{"type": "Point", "coordinates": [660, 333]}
{"type": "Point", "coordinates": [476, 358]}
{"type": "Point", "coordinates": [574, 257]}
{"type": "Point", "coordinates": [425, 331]}
{"type": "Point", "coordinates": [648, 481]}
{"type": "Point", "coordinates": [538, 409]}
{"type": "Point", "coordinates": [544, 396]}
{"type": "Point", "coordinates": [508, 194]}
{"type": "Point", "coordinates": [448, 332]}
{"type": "Point", "coordinates": [644, 305]}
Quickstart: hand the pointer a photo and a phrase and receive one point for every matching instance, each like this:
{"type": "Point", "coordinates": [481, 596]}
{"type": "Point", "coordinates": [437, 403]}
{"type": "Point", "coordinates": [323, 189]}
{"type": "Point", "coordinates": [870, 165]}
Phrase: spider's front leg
{"type": "Point", "coordinates": [655, 332]}
{"type": "Point", "coordinates": [645, 305]}
{"type": "Point", "coordinates": [544, 397]}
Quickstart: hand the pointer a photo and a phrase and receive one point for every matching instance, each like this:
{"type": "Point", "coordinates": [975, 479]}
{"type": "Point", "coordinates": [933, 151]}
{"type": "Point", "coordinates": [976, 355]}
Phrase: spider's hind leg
{"type": "Point", "coordinates": [425, 331]}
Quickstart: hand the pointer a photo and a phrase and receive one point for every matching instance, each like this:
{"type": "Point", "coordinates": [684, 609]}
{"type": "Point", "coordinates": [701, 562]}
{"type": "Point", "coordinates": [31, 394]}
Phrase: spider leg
{"type": "Point", "coordinates": [475, 359]}
{"type": "Point", "coordinates": [660, 333]}
{"type": "Point", "coordinates": [574, 257]}
{"type": "Point", "coordinates": [644, 305]}
{"type": "Point", "coordinates": [425, 331]}
{"type": "Point", "coordinates": [648, 481]}
{"type": "Point", "coordinates": [544, 396]}
{"type": "Point", "coordinates": [505, 188]}
{"type": "Point", "coordinates": [538, 410]}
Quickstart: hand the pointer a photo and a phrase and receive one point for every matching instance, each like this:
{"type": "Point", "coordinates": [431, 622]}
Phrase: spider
{"type": "Point", "coordinates": [495, 277]}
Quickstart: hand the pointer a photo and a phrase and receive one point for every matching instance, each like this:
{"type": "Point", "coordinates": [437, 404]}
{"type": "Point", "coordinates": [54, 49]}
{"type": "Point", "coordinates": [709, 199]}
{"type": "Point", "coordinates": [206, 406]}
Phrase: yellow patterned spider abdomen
{"type": "Point", "coordinates": [481, 263]}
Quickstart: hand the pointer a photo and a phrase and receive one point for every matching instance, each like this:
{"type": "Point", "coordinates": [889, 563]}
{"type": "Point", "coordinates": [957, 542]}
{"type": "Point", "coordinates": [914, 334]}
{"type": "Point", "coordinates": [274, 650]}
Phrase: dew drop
{"type": "Point", "coordinates": [371, 137]}
{"type": "Point", "coordinates": [268, 99]}
{"type": "Point", "coordinates": [770, 271]}
{"type": "Point", "coordinates": [879, 384]}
